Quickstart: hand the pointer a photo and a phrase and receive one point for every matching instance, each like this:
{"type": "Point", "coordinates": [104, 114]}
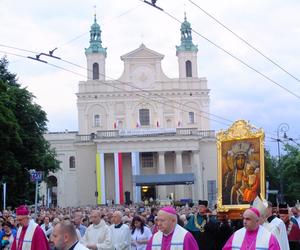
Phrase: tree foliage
{"type": "Point", "coordinates": [287, 170]}
{"type": "Point", "coordinates": [272, 172]}
{"type": "Point", "coordinates": [290, 169]}
{"type": "Point", "coordinates": [22, 145]}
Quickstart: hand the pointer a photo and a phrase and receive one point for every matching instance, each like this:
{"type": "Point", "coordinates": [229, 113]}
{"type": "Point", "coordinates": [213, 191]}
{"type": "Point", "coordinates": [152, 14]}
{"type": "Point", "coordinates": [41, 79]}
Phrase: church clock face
{"type": "Point", "coordinates": [143, 76]}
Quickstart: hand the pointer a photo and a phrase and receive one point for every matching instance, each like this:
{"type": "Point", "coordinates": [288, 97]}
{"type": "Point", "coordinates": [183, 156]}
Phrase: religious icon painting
{"type": "Point", "coordinates": [240, 166]}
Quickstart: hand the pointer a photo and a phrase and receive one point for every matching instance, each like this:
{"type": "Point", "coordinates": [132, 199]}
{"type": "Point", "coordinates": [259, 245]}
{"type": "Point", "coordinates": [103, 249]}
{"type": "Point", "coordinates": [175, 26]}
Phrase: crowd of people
{"type": "Point", "coordinates": [129, 227]}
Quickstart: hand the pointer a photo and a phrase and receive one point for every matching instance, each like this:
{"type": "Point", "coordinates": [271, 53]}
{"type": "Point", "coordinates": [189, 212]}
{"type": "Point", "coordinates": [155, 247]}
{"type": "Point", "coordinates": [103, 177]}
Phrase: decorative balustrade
{"type": "Point", "coordinates": [144, 132]}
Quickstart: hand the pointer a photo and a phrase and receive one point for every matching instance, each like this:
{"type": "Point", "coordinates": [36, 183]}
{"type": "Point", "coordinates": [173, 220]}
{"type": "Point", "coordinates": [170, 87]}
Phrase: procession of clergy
{"type": "Point", "coordinates": [260, 229]}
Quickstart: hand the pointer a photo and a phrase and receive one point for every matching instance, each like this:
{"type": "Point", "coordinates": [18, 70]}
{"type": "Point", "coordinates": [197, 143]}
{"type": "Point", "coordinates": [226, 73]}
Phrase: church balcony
{"type": "Point", "coordinates": [145, 132]}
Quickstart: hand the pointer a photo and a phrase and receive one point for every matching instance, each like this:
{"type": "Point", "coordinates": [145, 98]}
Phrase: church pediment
{"type": "Point", "coordinates": [142, 53]}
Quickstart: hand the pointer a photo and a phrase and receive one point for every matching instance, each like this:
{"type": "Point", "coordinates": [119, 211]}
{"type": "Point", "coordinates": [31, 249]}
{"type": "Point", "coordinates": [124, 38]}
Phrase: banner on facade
{"type": "Point", "coordinates": [146, 131]}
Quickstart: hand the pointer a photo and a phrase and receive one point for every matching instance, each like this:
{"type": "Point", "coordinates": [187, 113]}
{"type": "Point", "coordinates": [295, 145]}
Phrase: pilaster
{"type": "Point", "coordinates": [197, 187]}
{"type": "Point", "coordinates": [179, 189]}
{"type": "Point", "coordinates": [162, 190]}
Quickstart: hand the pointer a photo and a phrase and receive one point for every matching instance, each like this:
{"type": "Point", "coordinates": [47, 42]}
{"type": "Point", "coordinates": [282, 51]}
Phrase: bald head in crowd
{"type": "Point", "coordinates": [95, 217]}
{"type": "Point", "coordinates": [117, 217]}
{"type": "Point", "coordinates": [64, 235]}
{"type": "Point", "coordinates": [251, 219]}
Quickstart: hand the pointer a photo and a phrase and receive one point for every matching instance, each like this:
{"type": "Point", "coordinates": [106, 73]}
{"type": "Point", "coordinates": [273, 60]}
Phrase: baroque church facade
{"type": "Point", "coordinates": [142, 136]}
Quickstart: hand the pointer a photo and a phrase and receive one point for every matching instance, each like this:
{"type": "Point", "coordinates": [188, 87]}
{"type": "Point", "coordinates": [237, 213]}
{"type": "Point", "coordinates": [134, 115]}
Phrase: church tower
{"type": "Point", "coordinates": [95, 54]}
{"type": "Point", "coordinates": [187, 52]}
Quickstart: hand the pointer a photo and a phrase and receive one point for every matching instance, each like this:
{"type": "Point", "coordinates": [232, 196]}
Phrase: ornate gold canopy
{"type": "Point", "coordinates": [240, 129]}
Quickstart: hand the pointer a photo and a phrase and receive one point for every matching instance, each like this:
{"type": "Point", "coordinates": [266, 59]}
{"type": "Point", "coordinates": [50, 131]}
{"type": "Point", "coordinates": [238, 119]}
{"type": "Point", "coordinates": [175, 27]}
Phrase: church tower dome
{"type": "Point", "coordinates": [187, 52]}
{"type": "Point", "coordinates": [95, 54]}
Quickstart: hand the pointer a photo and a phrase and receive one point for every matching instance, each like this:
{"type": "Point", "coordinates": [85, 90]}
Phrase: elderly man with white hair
{"type": "Point", "coordinates": [121, 232]}
{"type": "Point", "coordinates": [170, 235]}
{"type": "Point", "coordinates": [252, 236]}
{"type": "Point", "coordinates": [98, 235]}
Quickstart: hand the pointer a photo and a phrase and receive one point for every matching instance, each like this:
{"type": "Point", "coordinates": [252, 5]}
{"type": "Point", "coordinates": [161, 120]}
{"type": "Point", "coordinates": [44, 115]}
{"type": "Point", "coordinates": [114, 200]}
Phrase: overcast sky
{"type": "Point", "coordinates": [237, 92]}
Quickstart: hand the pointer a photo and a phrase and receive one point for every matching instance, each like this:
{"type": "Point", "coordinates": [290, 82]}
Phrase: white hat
{"type": "Point", "coordinates": [261, 205]}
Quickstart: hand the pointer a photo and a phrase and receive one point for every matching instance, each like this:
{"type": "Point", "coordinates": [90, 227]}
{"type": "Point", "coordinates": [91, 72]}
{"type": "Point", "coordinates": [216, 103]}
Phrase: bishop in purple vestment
{"type": "Point", "coordinates": [170, 233]}
{"type": "Point", "coordinates": [252, 236]}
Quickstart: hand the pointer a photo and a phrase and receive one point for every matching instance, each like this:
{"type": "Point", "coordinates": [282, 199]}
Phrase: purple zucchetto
{"type": "Point", "coordinates": [169, 210]}
{"type": "Point", "coordinates": [255, 210]}
{"type": "Point", "coordinates": [22, 210]}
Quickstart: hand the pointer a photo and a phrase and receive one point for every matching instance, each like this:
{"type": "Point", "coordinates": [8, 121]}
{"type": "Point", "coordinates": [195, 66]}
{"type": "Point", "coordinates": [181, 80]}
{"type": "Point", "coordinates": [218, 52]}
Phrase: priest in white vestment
{"type": "Point", "coordinates": [120, 232]}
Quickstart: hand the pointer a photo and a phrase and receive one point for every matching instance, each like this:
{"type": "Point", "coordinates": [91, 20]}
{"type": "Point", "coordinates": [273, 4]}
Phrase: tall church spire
{"type": "Point", "coordinates": [95, 54]}
{"type": "Point", "coordinates": [187, 52]}
{"type": "Point", "coordinates": [186, 37]}
{"type": "Point", "coordinates": [95, 39]}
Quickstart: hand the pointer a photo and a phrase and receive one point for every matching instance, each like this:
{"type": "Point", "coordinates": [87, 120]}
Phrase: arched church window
{"type": "Point", "coordinates": [188, 68]}
{"type": "Point", "coordinates": [97, 121]}
{"type": "Point", "coordinates": [95, 71]}
{"type": "Point", "coordinates": [144, 117]}
{"type": "Point", "coordinates": [72, 162]}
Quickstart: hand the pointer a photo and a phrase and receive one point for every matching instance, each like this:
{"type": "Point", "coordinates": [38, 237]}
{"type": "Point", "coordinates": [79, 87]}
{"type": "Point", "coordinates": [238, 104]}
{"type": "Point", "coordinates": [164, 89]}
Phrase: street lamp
{"type": "Point", "coordinates": [3, 183]}
{"type": "Point", "coordinates": [282, 128]}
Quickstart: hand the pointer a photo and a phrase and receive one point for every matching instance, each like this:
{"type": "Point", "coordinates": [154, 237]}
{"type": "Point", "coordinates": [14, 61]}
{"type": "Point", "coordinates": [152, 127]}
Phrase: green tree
{"type": "Point", "coordinates": [272, 174]}
{"type": "Point", "coordinates": [272, 171]}
{"type": "Point", "coordinates": [22, 145]}
{"type": "Point", "coordinates": [290, 167]}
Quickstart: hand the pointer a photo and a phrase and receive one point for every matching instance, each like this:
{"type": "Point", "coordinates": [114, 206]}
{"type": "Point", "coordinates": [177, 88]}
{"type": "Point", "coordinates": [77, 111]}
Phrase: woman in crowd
{"type": "Point", "coordinates": [140, 234]}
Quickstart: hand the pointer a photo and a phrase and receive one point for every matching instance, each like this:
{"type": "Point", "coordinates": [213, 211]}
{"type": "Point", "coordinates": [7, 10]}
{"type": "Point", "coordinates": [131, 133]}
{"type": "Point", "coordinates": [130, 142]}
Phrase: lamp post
{"type": "Point", "coordinates": [3, 183]}
{"type": "Point", "coordinates": [282, 128]}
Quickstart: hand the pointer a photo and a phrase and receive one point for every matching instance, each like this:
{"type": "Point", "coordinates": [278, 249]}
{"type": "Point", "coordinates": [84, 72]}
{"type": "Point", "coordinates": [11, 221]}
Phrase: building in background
{"type": "Point", "coordinates": [142, 136]}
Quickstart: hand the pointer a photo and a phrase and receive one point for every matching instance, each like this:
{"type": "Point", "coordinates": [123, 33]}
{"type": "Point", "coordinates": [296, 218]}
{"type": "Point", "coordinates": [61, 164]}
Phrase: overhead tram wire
{"type": "Point", "coordinates": [85, 33]}
{"type": "Point", "coordinates": [141, 95]}
{"type": "Point", "coordinates": [230, 54]}
{"type": "Point", "coordinates": [75, 38]}
{"type": "Point", "coordinates": [14, 54]}
{"type": "Point", "coordinates": [132, 86]}
{"type": "Point", "coordinates": [12, 47]}
{"type": "Point", "coordinates": [122, 89]}
{"type": "Point", "coordinates": [107, 76]}
{"type": "Point", "coordinates": [155, 95]}
{"type": "Point", "coordinates": [148, 92]}
{"type": "Point", "coordinates": [246, 42]}
{"type": "Point", "coordinates": [146, 97]}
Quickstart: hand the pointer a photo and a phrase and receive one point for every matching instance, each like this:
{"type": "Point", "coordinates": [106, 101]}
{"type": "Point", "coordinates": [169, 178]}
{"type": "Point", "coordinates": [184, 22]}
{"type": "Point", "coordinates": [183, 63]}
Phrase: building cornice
{"type": "Point", "coordinates": [154, 93]}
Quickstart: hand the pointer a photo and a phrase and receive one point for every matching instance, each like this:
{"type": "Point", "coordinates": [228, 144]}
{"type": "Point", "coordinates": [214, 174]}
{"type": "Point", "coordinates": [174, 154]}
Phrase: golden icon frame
{"type": "Point", "coordinates": [239, 136]}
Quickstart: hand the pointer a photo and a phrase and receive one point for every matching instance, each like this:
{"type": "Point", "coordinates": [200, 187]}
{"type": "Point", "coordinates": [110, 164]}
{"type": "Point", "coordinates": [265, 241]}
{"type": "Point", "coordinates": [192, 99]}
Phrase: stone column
{"type": "Point", "coordinates": [119, 193]}
{"type": "Point", "coordinates": [135, 163]}
{"type": "Point", "coordinates": [161, 190]}
{"type": "Point", "coordinates": [179, 189]}
{"type": "Point", "coordinates": [100, 176]}
{"type": "Point", "coordinates": [196, 167]}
